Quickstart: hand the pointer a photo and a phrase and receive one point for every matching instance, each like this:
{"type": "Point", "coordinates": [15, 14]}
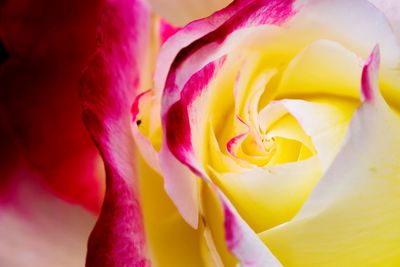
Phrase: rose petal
{"type": "Point", "coordinates": [242, 241]}
{"type": "Point", "coordinates": [269, 196]}
{"type": "Point", "coordinates": [170, 240]}
{"type": "Point", "coordinates": [37, 228]}
{"type": "Point", "coordinates": [108, 87]}
{"type": "Point", "coordinates": [146, 148]}
{"type": "Point", "coordinates": [352, 214]}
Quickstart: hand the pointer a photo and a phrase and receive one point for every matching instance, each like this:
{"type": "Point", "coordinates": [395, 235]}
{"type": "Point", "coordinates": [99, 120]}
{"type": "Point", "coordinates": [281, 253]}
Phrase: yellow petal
{"type": "Point", "coordinates": [351, 218]}
{"type": "Point", "coordinates": [171, 241]}
{"type": "Point", "coordinates": [268, 196]}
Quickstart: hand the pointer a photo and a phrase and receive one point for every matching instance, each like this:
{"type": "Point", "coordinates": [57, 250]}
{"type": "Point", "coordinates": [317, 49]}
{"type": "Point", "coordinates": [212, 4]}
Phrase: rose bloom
{"type": "Point", "coordinates": [263, 135]}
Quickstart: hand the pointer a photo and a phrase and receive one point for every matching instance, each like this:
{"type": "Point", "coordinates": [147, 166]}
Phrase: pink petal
{"type": "Point", "coordinates": [108, 88]}
{"type": "Point", "coordinates": [369, 77]}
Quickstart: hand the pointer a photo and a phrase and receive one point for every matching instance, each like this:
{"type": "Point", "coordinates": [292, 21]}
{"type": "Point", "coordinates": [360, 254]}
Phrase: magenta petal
{"type": "Point", "coordinates": [108, 89]}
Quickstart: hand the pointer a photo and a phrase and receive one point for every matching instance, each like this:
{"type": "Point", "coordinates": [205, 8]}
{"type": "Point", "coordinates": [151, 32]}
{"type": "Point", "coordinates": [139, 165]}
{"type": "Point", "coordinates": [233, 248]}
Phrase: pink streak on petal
{"type": "Point", "coordinates": [135, 105]}
{"type": "Point", "coordinates": [178, 129]}
{"type": "Point", "coordinates": [108, 88]}
{"type": "Point", "coordinates": [235, 141]}
{"type": "Point", "coordinates": [232, 233]}
{"type": "Point", "coordinates": [369, 78]}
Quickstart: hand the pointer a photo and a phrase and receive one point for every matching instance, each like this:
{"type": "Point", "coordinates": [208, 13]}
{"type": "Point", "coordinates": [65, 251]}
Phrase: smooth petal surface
{"type": "Point", "coordinates": [180, 12]}
{"type": "Point", "coordinates": [351, 216]}
{"type": "Point", "coordinates": [108, 88]}
{"type": "Point", "coordinates": [171, 241]}
{"type": "Point", "coordinates": [37, 228]}
{"type": "Point", "coordinates": [391, 8]}
{"type": "Point", "coordinates": [269, 196]}
{"type": "Point", "coordinates": [47, 45]}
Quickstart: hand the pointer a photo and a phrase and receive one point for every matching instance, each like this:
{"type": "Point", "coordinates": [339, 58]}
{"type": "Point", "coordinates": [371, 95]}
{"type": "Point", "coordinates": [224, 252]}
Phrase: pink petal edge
{"type": "Point", "coordinates": [369, 77]}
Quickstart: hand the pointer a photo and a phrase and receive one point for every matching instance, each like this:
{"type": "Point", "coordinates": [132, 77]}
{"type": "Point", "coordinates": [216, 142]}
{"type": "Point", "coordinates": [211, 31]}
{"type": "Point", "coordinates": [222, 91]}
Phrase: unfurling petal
{"type": "Point", "coordinates": [108, 89]}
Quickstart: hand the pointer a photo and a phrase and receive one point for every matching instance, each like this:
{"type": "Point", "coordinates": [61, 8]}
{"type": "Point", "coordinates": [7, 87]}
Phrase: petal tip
{"type": "Point", "coordinates": [369, 79]}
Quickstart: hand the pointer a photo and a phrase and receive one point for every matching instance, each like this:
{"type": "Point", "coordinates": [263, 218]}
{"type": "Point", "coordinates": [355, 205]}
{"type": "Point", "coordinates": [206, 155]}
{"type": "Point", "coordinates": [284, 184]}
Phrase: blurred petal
{"type": "Point", "coordinates": [180, 12]}
{"type": "Point", "coordinates": [166, 30]}
{"type": "Point", "coordinates": [352, 215]}
{"type": "Point", "coordinates": [38, 229]}
{"type": "Point", "coordinates": [48, 44]}
{"type": "Point", "coordinates": [108, 88]}
{"type": "Point", "coordinates": [391, 9]}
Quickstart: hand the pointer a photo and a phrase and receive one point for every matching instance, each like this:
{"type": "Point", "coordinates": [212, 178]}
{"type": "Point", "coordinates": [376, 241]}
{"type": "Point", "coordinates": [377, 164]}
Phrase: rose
{"type": "Point", "coordinates": [267, 102]}
{"type": "Point", "coordinates": [122, 244]}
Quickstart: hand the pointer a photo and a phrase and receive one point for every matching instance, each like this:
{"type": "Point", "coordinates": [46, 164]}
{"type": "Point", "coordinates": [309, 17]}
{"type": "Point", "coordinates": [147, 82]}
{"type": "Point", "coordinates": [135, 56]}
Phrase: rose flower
{"type": "Point", "coordinates": [263, 135]}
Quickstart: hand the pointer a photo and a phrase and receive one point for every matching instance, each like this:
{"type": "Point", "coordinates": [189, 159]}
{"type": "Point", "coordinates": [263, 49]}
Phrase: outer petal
{"type": "Point", "coordinates": [351, 217]}
{"type": "Point", "coordinates": [39, 81]}
{"type": "Point", "coordinates": [38, 229]}
{"type": "Point", "coordinates": [109, 86]}
{"type": "Point", "coordinates": [181, 12]}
